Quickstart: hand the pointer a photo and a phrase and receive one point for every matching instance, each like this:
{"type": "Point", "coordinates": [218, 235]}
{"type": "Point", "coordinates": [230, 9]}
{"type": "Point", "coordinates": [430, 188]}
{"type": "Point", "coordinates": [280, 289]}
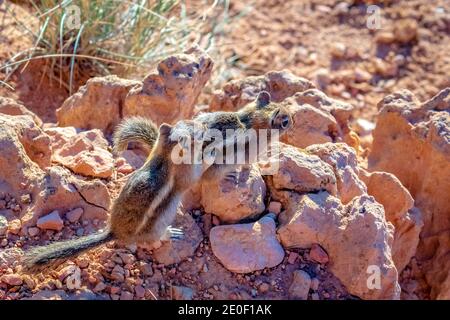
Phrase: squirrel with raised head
{"type": "Point", "coordinates": [147, 203]}
{"type": "Point", "coordinates": [260, 114]}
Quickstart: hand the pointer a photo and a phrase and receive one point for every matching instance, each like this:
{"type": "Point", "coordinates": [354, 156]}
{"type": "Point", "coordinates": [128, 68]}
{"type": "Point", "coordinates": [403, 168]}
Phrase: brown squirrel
{"type": "Point", "coordinates": [147, 203]}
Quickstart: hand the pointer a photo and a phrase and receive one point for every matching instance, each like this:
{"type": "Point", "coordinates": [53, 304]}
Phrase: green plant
{"type": "Point", "coordinates": [115, 36]}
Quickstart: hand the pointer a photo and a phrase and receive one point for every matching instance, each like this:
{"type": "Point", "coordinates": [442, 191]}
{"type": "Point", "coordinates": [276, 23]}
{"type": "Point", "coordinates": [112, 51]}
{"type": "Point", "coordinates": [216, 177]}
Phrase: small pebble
{"type": "Point", "coordinates": [126, 295]}
{"type": "Point", "coordinates": [80, 232]}
{"type": "Point", "coordinates": [33, 231]}
{"type": "Point", "coordinates": [318, 254]}
{"type": "Point", "coordinates": [292, 257]}
{"type": "Point", "coordinates": [274, 207]}
{"type": "Point", "coordinates": [264, 287]}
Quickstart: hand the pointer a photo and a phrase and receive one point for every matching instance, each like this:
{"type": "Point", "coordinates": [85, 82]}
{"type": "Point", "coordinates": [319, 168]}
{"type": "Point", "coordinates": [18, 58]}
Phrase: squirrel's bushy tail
{"type": "Point", "coordinates": [135, 129]}
{"type": "Point", "coordinates": [41, 255]}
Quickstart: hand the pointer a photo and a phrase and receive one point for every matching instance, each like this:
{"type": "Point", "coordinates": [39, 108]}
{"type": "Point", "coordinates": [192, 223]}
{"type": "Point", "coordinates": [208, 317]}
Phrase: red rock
{"type": "Point", "coordinates": [315, 284]}
{"type": "Point", "coordinates": [127, 258]}
{"type": "Point", "coordinates": [33, 231]}
{"type": "Point", "coordinates": [60, 136]}
{"type": "Point", "coordinates": [301, 171]}
{"type": "Point", "coordinates": [343, 159]}
{"type": "Point", "coordinates": [82, 262]}
{"type": "Point", "coordinates": [300, 285]}
{"type": "Point", "coordinates": [29, 282]}
{"type": "Point", "coordinates": [237, 93]}
{"type": "Point", "coordinates": [73, 281]}
{"type": "Point", "coordinates": [118, 273]}
{"type": "Point", "coordinates": [405, 30]}
{"type": "Point", "coordinates": [96, 104]}
{"type": "Point", "coordinates": [338, 50]}
{"type": "Point", "coordinates": [215, 220]}
{"type": "Point", "coordinates": [312, 217]}
{"type": "Point", "coordinates": [12, 279]}
{"type": "Point", "coordinates": [25, 198]}
{"type": "Point", "coordinates": [123, 166]}
{"type": "Point", "coordinates": [170, 92]}
{"type": "Point", "coordinates": [100, 287]}
{"type": "Point", "coordinates": [22, 143]}
{"type": "Point", "coordinates": [234, 200]}
{"type": "Point", "coordinates": [133, 159]}
{"type": "Point", "coordinates": [146, 269]}
{"type": "Point", "coordinates": [3, 225]}
{"type": "Point", "coordinates": [85, 154]}
{"type": "Point", "coordinates": [182, 293]}
{"type": "Point", "coordinates": [411, 142]}
{"type": "Point", "coordinates": [167, 94]}
{"type": "Point", "coordinates": [292, 257]}
{"type": "Point", "coordinates": [13, 108]}
{"type": "Point", "coordinates": [263, 287]}
{"type": "Point", "coordinates": [172, 252]}
{"type": "Point", "coordinates": [114, 290]}
{"type": "Point", "coordinates": [74, 215]}
{"type": "Point", "coordinates": [318, 254]}
{"type": "Point", "coordinates": [362, 75]}
{"type": "Point", "coordinates": [317, 118]}
{"type": "Point", "coordinates": [51, 221]}
{"type": "Point", "coordinates": [50, 189]}
{"type": "Point", "coordinates": [14, 226]}
{"type": "Point", "coordinates": [139, 291]}
{"type": "Point", "coordinates": [322, 77]}
{"type": "Point", "coordinates": [247, 247]}
{"type": "Point", "coordinates": [398, 206]}
{"type": "Point", "coordinates": [384, 68]}
{"type": "Point", "coordinates": [65, 272]}
{"type": "Point", "coordinates": [274, 207]}
{"type": "Point", "coordinates": [126, 295]}
{"type": "Point", "coordinates": [386, 37]}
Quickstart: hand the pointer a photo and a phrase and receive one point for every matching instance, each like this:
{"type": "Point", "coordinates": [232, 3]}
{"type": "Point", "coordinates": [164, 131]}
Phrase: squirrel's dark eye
{"type": "Point", "coordinates": [284, 122]}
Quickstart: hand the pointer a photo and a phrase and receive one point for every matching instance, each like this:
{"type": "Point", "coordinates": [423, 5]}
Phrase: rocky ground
{"type": "Point", "coordinates": [330, 43]}
{"type": "Point", "coordinates": [351, 198]}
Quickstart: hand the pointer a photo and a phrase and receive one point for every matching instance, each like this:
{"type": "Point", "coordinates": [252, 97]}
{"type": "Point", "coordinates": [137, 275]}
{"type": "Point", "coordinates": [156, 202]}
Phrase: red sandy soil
{"type": "Point", "coordinates": [300, 36]}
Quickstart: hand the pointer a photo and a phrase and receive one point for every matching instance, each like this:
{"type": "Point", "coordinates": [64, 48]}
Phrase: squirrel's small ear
{"type": "Point", "coordinates": [263, 99]}
{"type": "Point", "coordinates": [165, 129]}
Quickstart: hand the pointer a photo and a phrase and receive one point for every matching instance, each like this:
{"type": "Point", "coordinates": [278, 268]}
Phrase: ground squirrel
{"type": "Point", "coordinates": [147, 204]}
